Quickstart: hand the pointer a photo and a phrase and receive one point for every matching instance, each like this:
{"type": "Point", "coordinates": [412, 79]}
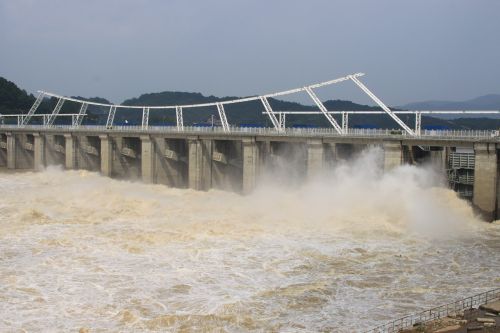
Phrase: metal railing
{"type": "Point", "coordinates": [234, 130]}
{"type": "Point", "coordinates": [450, 309]}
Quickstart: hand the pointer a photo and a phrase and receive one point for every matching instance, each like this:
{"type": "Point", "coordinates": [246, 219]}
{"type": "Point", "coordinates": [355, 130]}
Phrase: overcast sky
{"type": "Point", "coordinates": [410, 50]}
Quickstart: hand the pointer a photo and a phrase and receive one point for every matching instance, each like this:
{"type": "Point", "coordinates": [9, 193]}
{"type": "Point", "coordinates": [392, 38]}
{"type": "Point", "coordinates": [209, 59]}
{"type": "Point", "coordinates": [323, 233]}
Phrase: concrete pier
{"type": "Point", "coordinates": [11, 151]}
{"type": "Point", "coordinates": [171, 162]}
{"type": "Point", "coordinates": [125, 157]}
{"type": "Point", "coordinates": [20, 150]}
{"type": "Point", "coordinates": [39, 152]}
{"type": "Point", "coordinates": [54, 150]}
{"type": "Point", "coordinates": [88, 152]}
{"type": "Point", "coordinates": [438, 159]}
{"type": "Point", "coordinates": [227, 165]}
{"type": "Point", "coordinates": [106, 155]}
{"type": "Point", "coordinates": [147, 159]}
{"type": "Point", "coordinates": [70, 152]}
{"type": "Point", "coordinates": [3, 150]}
{"type": "Point", "coordinates": [330, 158]}
{"type": "Point", "coordinates": [393, 155]}
{"type": "Point", "coordinates": [315, 158]}
{"type": "Point", "coordinates": [250, 164]}
{"type": "Point", "coordinates": [200, 164]}
{"type": "Point", "coordinates": [485, 180]}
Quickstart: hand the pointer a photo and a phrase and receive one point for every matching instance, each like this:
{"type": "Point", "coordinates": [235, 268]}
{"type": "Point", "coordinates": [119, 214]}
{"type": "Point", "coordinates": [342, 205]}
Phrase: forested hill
{"type": "Point", "coordinates": [14, 100]}
{"type": "Point", "coordinates": [248, 113]}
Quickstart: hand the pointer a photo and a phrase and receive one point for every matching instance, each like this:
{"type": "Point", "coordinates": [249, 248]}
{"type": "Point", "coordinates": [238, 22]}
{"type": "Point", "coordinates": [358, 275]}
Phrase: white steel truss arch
{"type": "Point", "coordinates": [239, 100]}
{"type": "Point", "coordinates": [282, 120]}
{"type": "Point", "coordinates": [278, 125]}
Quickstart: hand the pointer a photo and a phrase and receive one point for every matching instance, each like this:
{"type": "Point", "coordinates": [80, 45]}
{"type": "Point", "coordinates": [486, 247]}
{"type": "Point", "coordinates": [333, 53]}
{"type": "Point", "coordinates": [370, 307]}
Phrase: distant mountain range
{"type": "Point", "coordinates": [486, 102]}
{"type": "Point", "coordinates": [14, 100]}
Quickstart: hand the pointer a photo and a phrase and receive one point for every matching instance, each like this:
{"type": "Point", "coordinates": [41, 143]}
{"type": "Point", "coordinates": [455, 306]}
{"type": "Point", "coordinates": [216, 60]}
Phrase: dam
{"type": "Point", "coordinates": [233, 158]}
{"type": "Point", "coordinates": [208, 158]}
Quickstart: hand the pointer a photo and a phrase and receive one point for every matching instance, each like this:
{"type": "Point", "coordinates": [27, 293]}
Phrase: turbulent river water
{"type": "Point", "coordinates": [343, 253]}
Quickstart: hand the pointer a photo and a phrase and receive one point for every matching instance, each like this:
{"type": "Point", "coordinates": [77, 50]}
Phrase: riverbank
{"type": "Point", "coordinates": [484, 319]}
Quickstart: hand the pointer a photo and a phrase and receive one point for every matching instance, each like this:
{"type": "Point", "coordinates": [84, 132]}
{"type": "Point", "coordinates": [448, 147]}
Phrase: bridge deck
{"type": "Point", "coordinates": [292, 134]}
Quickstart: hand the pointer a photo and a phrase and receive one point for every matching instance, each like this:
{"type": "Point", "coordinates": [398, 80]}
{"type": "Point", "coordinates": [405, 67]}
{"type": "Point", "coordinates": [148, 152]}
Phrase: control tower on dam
{"type": "Point", "coordinates": [234, 158]}
{"type": "Point", "coordinates": [206, 158]}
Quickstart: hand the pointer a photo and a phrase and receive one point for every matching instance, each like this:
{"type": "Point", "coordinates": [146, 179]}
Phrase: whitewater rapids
{"type": "Point", "coordinates": [343, 253]}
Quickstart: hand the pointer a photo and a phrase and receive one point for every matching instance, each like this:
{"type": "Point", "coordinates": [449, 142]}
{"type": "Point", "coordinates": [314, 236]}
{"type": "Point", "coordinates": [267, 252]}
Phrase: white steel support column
{"type": "Point", "coordinates": [282, 120]}
{"type": "Point", "coordinates": [222, 117]}
{"type": "Point", "coordinates": [145, 118]}
{"type": "Point", "coordinates": [33, 108]}
{"type": "Point", "coordinates": [111, 116]}
{"type": "Point", "coordinates": [381, 104]}
{"type": "Point", "coordinates": [270, 113]}
{"type": "Point", "coordinates": [345, 122]}
{"type": "Point", "coordinates": [55, 112]}
{"type": "Point", "coordinates": [418, 123]}
{"type": "Point", "coordinates": [83, 111]}
{"type": "Point", "coordinates": [323, 109]}
{"type": "Point", "coordinates": [180, 119]}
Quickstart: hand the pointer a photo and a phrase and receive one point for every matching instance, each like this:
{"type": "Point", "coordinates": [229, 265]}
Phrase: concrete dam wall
{"type": "Point", "coordinates": [237, 162]}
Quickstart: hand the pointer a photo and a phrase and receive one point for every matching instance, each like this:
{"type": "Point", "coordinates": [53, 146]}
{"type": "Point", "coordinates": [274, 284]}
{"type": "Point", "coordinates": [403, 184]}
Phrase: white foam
{"type": "Point", "coordinates": [347, 251]}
